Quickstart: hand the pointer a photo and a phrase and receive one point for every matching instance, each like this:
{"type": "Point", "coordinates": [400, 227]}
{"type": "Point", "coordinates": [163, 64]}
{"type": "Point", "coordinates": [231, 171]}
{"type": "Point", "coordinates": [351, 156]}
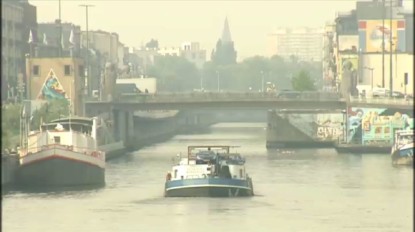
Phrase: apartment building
{"type": "Point", "coordinates": [304, 43]}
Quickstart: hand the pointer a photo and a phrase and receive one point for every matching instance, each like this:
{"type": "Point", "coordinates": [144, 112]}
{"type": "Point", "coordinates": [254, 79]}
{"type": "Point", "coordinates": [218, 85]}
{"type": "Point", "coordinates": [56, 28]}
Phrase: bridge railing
{"type": "Point", "coordinates": [228, 96]}
{"type": "Point", "coordinates": [386, 101]}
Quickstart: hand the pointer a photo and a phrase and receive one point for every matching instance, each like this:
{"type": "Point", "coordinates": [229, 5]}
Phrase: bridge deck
{"type": "Point", "coordinates": [254, 101]}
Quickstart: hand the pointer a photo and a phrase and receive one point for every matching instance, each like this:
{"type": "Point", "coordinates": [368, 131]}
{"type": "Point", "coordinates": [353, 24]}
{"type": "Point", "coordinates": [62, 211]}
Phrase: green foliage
{"type": "Point", "coordinates": [174, 73]}
{"type": "Point", "coordinates": [177, 74]}
{"type": "Point", "coordinates": [225, 54]}
{"type": "Point", "coordinates": [11, 115]}
{"type": "Point", "coordinates": [152, 44]}
{"type": "Point", "coordinates": [10, 125]}
{"type": "Point", "coordinates": [52, 110]}
{"type": "Point", "coordinates": [302, 81]}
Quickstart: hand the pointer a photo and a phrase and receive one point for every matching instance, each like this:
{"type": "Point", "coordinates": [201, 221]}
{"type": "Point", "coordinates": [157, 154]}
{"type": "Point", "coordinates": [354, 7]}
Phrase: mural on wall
{"type": "Point", "coordinates": [375, 125]}
{"type": "Point", "coordinates": [379, 129]}
{"type": "Point", "coordinates": [375, 31]}
{"type": "Point", "coordinates": [52, 88]}
{"type": "Point", "coordinates": [329, 126]}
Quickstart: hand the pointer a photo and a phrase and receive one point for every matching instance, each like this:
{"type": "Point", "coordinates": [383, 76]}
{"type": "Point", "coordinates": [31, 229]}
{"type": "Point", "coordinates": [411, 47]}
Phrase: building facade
{"type": "Point", "coordinates": [56, 78]}
{"type": "Point", "coordinates": [192, 52]}
{"type": "Point", "coordinates": [169, 51]}
{"type": "Point", "coordinates": [328, 60]}
{"type": "Point", "coordinates": [18, 21]}
{"type": "Point", "coordinates": [106, 43]}
{"type": "Point", "coordinates": [304, 43]}
{"type": "Point", "coordinates": [363, 41]}
{"type": "Point", "coordinates": [58, 40]}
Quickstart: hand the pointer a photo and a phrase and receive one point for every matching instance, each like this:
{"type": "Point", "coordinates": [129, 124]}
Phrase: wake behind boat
{"type": "Point", "coordinates": [209, 171]}
{"type": "Point", "coordinates": [63, 153]}
{"type": "Point", "coordinates": [403, 148]}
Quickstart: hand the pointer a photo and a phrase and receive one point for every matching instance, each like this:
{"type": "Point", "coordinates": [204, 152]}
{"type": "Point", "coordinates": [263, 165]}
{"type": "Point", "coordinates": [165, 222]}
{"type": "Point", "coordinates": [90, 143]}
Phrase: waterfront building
{"type": "Point", "coordinates": [58, 39]}
{"type": "Point", "coordinates": [329, 62]}
{"type": "Point", "coordinates": [106, 43]}
{"type": "Point", "coordinates": [19, 20]}
{"type": "Point", "coordinates": [51, 78]}
{"type": "Point", "coordinates": [359, 37]}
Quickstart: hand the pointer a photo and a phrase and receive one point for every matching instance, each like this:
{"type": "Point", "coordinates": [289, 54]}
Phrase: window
{"type": "Point", "coordinates": [57, 139]}
{"type": "Point", "coordinates": [36, 70]}
{"type": "Point", "coordinates": [67, 70]}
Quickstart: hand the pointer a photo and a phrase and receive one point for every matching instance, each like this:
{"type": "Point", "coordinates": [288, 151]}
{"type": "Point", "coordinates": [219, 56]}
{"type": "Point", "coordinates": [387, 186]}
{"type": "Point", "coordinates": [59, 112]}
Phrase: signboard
{"type": "Point", "coordinates": [374, 30]}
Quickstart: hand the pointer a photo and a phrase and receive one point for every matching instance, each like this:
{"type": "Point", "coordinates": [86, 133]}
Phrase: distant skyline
{"type": "Point", "coordinates": [173, 22]}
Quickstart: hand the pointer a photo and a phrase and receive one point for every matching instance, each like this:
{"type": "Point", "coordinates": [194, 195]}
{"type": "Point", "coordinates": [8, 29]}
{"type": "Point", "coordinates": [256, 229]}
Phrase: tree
{"type": "Point", "coordinates": [225, 53]}
{"type": "Point", "coordinates": [51, 110]}
{"type": "Point", "coordinates": [10, 124]}
{"type": "Point", "coordinates": [152, 44]}
{"type": "Point", "coordinates": [302, 81]}
{"type": "Point", "coordinates": [174, 73]}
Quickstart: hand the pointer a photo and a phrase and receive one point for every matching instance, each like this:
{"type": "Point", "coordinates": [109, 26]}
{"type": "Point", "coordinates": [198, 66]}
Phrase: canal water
{"type": "Point", "coordinates": [305, 190]}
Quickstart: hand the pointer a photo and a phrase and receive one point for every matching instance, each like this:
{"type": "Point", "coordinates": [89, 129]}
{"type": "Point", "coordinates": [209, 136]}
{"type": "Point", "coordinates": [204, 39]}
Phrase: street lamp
{"type": "Point", "coordinates": [390, 50]}
{"type": "Point", "coordinates": [87, 48]}
{"type": "Point", "coordinates": [201, 80]}
{"type": "Point", "coordinates": [217, 74]}
{"type": "Point", "coordinates": [395, 44]}
{"type": "Point", "coordinates": [371, 74]}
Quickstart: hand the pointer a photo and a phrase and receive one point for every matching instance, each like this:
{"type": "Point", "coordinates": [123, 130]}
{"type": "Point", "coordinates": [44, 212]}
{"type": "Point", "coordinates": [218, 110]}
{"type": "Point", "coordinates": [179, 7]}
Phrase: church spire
{"type": "Point", "coordinates": [226, 33]}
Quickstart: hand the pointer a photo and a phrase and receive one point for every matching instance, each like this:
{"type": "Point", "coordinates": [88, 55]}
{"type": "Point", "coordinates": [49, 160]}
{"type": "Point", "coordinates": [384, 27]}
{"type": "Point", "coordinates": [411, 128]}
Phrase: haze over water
{"type": "Point", "coordinates": [310, 190]}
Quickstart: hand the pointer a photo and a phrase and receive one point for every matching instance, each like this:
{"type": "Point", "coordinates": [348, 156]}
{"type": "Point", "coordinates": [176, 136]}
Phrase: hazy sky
{"type": "Point", "coordinates": [173, 22]}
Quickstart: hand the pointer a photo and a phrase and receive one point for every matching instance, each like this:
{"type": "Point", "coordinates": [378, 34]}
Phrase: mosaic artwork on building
{"type": "Point", "coordinates": [52, 88]}
{"type": "Point", "coordinates": [375, 125]}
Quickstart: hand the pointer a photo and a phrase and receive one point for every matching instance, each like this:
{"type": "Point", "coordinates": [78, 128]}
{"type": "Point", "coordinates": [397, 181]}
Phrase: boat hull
{"type": "Point", "coordinates": [403, 157]}
{"type": "Point", "coordinates": [407, 161]}
{"type": "Point", "coordinates": [60, 168]}
{"type": "Point", "coordinates": [209, 187]}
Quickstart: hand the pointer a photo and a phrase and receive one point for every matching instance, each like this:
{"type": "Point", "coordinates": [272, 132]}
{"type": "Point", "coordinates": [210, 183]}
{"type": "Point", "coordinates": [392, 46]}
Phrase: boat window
{"type": "Point", "coordinates": [57, 139]}
{"type": "Point", "coordinates": [175, 173]}
{"type": "Point", "coordinates": [241, 173]}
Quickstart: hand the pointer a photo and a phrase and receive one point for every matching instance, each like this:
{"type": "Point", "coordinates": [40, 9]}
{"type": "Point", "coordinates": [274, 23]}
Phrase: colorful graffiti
{"type": "Point", "coordinates": [330, 126]}
{"type": "Point", "coordinates": [374, 125]}
{"type": "Point", "coordinates": [52, 88]}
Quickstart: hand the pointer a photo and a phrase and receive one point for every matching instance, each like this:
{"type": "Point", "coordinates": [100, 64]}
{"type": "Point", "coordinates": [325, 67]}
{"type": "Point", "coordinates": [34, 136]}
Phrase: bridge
{"type": "Point", "coordinates": [198, 108]}
{"type": "Point", "coordinates": [307, 101]}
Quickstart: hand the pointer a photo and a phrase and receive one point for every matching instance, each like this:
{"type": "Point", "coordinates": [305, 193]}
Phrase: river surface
{"type": "Point", "coordinates": [307, 190]}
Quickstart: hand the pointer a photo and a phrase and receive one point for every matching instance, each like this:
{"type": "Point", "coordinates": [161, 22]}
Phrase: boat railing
{"type": "Point", "coordinates": [81, 150]}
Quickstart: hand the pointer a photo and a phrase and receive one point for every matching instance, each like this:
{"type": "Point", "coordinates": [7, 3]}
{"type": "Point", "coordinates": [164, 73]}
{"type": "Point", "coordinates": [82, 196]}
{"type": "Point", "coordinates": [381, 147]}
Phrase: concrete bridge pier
{"type": "Point", "coordinates": [123, 127]}
{"type": "Point", "coordinates": [197, 119]}
{"type": "Point", "coordinates": [281, 134]}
